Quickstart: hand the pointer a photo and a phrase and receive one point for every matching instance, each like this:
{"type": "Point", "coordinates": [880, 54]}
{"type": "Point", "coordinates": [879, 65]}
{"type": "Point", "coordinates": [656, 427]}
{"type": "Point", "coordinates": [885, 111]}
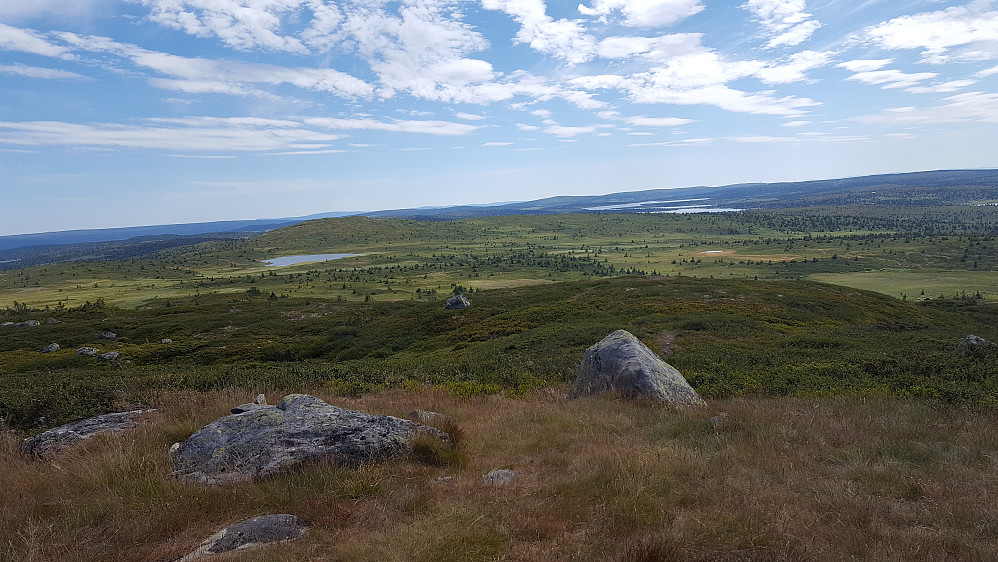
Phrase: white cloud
{"type": "Point", "coordinates": [794, 68]}
{"type": "Point", "coordinates": [525, 127]}
{"type": "Point", "coordinates": [198, 75]}
{"type": "Point", "coordinates": [563, 38]}
{"type": "Point", "coordinates": [970, 107]}
{"type": "Point", "coordinates": [944, 88]}
{"type": "Point", "coordinates": [864, 65]}
{"type": "Point", "coordinates": [21, 10]}
{"type": "Point", "coordinates": [936, 33]}
{"type": "Point", "coordinates": [659, 48]}
{"type": "Point", "coordinates": [38, 72]}
{"type": "Point", "coordinates": [497, 144]}
{"type": "Point", "coordinates": [445, 128]}
{"type": "Point", "coordinates": [558, 130]}
{"type": "Point", "coordinates": [644, 13]}
{"type": "Point", "coordinates": [468, 116]}
{"type": "Point", "coordinates": [796, 123]}
{"type": "Point", "coordinates": [657, 121]}
{"type": "Point", "coordinates": [241, 24]}
{"type": "Point", "coordinates": [987, 72]}
{"type": "Point", "coordinates": [30, 41]}
{"type": "Point", "coordinates": [785, 21]}
{"type": "Point", "coordinates": [890, 79]}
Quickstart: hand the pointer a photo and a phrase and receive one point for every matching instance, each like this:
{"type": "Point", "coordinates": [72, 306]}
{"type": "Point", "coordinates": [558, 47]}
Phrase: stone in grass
{"type": "Point", "coordinates": [621, 364]}
{"type": "Point", "coordinates": [107, 335]}
{"type": "Point", "coordinates": [500, 477]}
{"type": "Point", "coordinates": [51, 442]}
{"type": "Point", "coordinates": [973, 343]}
{"type": "Point", "coordinates": [457, 302]}
{"type": "Point", "coordinates": [300, 429]}
{"type": "Point", "coordinates": [52, 321]}
{"type": "Point", "coordinates": [250, 533]}
{"type": "Point", "coordinates": [51, 348]}
{"type": "Point", "coordinates": [88, 351]}
{"type": "Point", "coordinates": [165, 341]}
{"type": "Point", "coordinates": [109, 356]}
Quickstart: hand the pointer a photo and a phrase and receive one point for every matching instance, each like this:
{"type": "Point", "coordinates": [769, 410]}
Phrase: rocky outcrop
{"type": "Point", "coordinates": [249, 533]}
{"type": "Point", "coordinates": [457, 302]}
{"type": "Point", "coordinates": [51, 442]}
{"type": "Point", "coordinates": [51, 348]}
{"type": "Point", "coordinates": [300, 429]}
{"type": "Point", "coordinates": [259, 402]}
{"type": "Point", "coordinates": [621, 364]}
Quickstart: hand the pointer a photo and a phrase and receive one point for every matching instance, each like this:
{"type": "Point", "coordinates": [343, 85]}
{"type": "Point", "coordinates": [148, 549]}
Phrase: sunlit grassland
{"type": "Point", "coordinates": [404, 259]}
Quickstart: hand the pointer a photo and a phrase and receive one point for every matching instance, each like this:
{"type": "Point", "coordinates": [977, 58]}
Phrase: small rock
{"type": "Point", "coordinates": [52, 347]}
{"type": "Point", "coordinates": [258, 403]}
{"type": "Point", "coordinates": [88, 351]}
{"type": "Point", "coordinates": [458, 302]}
{"type": "Point", "coordinates": [500, 477]}
{"type": "Point", "coordinates": [165, 340]}
{"type": "Point", "coordinates": [28, 324]}
{"type": "Point", "coordinates": [425, 416]}
{"type": "Point", "coordinates": [235, 310]}
{"type": "Point", "coordinates": [107, 335]}
{"type": "Point", "coordinates": [49, 443]}
{"type": "Point", "coordinates": [52, 321]}
{"type": "Point", "coordinates": [973, 343]}
{"type": "Point", "coordinates": [720, 421]}
{"type": "Point", "coordinates": [250, 533]}
{"type": "Point", "coordinates": [261, 399]}
{"type": "Point", "coordinates": [443, 480]}
{"type": "Point", "coordinates": [109, 356]}
{"type": "Point", "coordinates": [7, 324]}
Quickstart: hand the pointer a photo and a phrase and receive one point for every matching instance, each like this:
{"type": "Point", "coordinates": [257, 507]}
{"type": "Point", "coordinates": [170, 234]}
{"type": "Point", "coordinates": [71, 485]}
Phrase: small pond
{"type": "Point", "coordinates": [294, 260]}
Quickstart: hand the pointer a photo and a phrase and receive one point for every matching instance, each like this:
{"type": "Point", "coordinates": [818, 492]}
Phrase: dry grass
{"type": "Point", "coordinates": [600, 479]}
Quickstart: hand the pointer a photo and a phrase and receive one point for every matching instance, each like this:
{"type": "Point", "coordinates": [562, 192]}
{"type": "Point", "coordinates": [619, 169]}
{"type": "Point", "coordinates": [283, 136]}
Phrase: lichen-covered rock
{"type": "Point", "coordinates": [51, 348]}
{"type": "Point", "coordinates": [52, 321]}
{"type": "Point", "coordinates": [107, 335]}
{"type": "Point", "coordinates": [620, 363]}
{"type": "Point", "coordinates": [300, 429]}
{"type": "Point", "coordinates": [49, 443]}
{"type": "Point", "coordinates": [88, 351]}
{"type": "Point", "coordinates": [500, 477]}
{"type": "Point", "coordinates": [973, 343]}
{"type": "Point", "coordinates": [109, 356]}
{"type": "Point", "coordinates": [28, 324]}
{"type": "Point", "coordinates": [250, 533]}
{"type": "Point", "coordinates": [458, 302]}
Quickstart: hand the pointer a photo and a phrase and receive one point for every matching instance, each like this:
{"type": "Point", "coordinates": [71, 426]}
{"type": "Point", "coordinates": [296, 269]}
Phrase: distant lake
{"type": "Point", "coordinates": [293, 260]}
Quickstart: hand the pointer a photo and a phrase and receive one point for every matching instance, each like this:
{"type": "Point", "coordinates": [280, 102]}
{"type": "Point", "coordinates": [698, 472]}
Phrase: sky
{"type": "Point", "coordinates": [139, 112]}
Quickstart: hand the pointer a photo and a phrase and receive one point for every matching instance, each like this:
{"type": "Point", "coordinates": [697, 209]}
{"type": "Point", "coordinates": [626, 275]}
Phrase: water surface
{"type": "Point", "coordinates": [294, 260]}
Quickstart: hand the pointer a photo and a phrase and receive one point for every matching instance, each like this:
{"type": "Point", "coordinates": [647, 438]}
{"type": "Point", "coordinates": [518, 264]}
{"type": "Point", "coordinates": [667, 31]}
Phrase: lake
{"type": "Point", "coordinates": [294, 260]}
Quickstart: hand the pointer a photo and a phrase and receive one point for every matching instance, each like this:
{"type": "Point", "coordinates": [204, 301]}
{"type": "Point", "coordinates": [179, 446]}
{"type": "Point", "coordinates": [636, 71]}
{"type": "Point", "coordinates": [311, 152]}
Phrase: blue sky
{"type": "Point", "coordinates": [135, 112]}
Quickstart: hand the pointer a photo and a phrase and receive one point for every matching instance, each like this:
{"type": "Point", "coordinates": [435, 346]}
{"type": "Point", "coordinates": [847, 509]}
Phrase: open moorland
{"type": "Point", "coordinates": [828, 335]}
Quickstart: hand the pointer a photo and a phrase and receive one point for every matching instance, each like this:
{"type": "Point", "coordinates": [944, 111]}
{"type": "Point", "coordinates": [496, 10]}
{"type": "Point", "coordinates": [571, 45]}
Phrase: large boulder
{"type": "Point", "coordinates": [51, 442]}
{"type": "Point", "coordinates": [264, 440]}
{"type": "Point", "coordinates": [249, 533]}
{"type": "Point", "coordinates": [620, 363]}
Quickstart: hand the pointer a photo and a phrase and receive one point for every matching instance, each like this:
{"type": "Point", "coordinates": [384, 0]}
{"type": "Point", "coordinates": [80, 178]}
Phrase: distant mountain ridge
{"type": "Point", "coordinates": [940, 187]}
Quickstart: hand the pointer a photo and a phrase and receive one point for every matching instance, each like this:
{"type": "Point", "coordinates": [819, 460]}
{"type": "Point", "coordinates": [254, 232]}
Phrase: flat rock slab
{"type": "Point", "coordinates": [51, 442]}
{"type": "Point", "coordinates": [249, 533]}
{"type": "Point", "coordinates": [457, 302]}
{"type": "Point", "coordinates": [264, 440]}
{"type": "Point", "coordinates": [621, 364]}
{"type": "Point", "coordinates": [500, 477]}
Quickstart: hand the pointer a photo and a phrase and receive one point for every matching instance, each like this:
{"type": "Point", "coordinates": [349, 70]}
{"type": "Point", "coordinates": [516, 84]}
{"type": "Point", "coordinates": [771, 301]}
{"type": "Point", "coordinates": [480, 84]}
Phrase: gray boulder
{"type": "Point", "coordinates": [109, 356]}
{"type": "Point", "coordinates": [165, 341]}
{"type": "Point", "coordinates": [620, 363]}
{"type": "Point", "coordinates": [107, 335]}
{"type": "Point", "coordinates": [458, 302]}
{"type": "Point", "coordinates": [51, 442]}
{"type": "Point", "coordinates": [300, 429]}
{"type": "Point", "coordinates": [51, 348]}
{"type": "Point", "coordinates": [249, 533]}
{"type": "Point", "coordinates": [972, 343]}
{"type": "Point", "coordinates": [88, 351]}
{"type": "Point", "coordinates": [28, 324]}
{"type": "Point", "coordinates": [52, 321]}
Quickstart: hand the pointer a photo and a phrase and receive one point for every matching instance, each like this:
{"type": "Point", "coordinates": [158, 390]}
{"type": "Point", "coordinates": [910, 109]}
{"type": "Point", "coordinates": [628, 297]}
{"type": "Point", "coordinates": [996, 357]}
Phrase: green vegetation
{"type": "Point", "coordinates": [856, 427]}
